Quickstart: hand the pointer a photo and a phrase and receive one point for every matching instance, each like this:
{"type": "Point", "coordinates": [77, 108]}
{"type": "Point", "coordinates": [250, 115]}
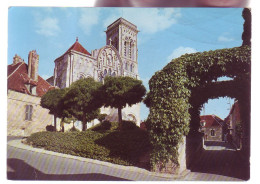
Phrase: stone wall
{"type": "Point", "coordinates": [16, 112]}
{"type": "Point", "coordinates": [172, 168]}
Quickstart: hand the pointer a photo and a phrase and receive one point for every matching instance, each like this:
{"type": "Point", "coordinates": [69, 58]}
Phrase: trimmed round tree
{"type": "Point", "coordinates": [117, 92]}
{"type": "Point", "coordinates": [53, 100]}
{"type": "Point", "coordinates": [82, 100]}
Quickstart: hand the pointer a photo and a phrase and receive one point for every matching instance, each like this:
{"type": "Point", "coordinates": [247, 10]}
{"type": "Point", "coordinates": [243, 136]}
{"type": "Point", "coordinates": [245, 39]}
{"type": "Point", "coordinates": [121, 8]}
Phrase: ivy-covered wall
{"type": "Point", "coordinates": [178, 91]}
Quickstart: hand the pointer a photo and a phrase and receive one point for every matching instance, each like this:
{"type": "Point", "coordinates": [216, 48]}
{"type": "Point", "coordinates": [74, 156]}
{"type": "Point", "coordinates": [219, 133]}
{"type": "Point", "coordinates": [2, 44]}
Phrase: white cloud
{"type": "Point", "coordinates": [148, 20]}
{"type": "Point", "coordinates": [89, 17]}
{"type": "Point", "coordinates": [48, 26]}
{"type": "Point", "coordinates": [180, 51]}
{"type": "Point", "coordinates": [225, 37]}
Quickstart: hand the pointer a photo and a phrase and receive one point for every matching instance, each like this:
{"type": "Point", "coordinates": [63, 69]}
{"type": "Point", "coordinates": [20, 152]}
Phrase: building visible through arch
{"type": "Point", "coordinates": [110, 60]}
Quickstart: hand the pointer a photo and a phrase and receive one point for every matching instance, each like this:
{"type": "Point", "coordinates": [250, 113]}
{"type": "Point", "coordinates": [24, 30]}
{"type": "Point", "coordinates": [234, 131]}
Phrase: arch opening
{"type": "Point", "coordinates": [179, 90]}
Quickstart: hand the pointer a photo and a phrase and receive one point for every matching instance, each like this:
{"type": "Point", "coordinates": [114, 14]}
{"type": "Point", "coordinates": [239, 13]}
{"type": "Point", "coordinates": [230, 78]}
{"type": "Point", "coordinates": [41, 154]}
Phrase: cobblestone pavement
{"type": "Point", "coordinates": [27, 163]}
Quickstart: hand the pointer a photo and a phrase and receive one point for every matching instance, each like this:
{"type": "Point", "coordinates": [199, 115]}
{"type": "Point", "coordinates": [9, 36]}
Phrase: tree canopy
{"type": "Point", "coordinates": [53, 100]}
{"type": "Point", "coordinates": [120, 91]}
{"type": "Point", "coordinates": [82, 101]}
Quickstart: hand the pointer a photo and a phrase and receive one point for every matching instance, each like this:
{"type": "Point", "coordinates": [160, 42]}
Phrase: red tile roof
{"type": "Point", "coordinates": [211, 121]}
{"type": "Point", "coordinates": [17, 77]}
{"type": "Point", "coordinates": [77, 47]}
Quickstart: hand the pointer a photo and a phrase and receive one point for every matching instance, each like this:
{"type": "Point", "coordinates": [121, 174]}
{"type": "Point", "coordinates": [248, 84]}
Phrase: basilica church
{"type": "Point", "coordinates": [117, 58]}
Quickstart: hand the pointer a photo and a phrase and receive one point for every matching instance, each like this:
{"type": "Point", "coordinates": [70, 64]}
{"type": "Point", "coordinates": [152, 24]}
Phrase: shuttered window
{"type": "Point", "coordinates": [28, 112]}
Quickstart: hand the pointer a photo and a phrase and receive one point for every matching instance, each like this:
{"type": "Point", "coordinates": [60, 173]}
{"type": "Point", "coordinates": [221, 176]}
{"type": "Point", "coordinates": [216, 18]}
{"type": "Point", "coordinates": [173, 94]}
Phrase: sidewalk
{"type": "Point", "coordinates": [47, 165]}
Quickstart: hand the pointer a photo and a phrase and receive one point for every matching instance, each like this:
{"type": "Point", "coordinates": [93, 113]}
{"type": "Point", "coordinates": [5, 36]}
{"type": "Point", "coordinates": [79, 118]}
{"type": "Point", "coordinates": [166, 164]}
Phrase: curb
{"type": "Point", "coordinates": [130, 169]}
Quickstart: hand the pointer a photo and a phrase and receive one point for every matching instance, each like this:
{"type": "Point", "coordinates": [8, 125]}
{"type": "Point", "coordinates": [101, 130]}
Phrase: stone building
{"type": "Point", "coordinates": [25, 88]}
{"type": "Point", "coordinates": [233, 121]}
{"type": "Point", "coordinates": [117, 58]}
{"type": "Point", "coordinates": [213, 127]}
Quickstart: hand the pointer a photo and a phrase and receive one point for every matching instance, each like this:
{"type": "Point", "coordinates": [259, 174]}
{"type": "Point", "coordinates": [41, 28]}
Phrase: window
{"type": "Point", "coordinates": [130, 50]}
{"type": "Point", "coordinates": [125, 48]}
{"type": "Point", "coordinates": [105, 73]}
{"type": "Point", "coordinates": [212, 132]}
{"type": "Point", "coordinates": [28, 112]}
{"type": "Point", "coordinates": [109, 72]}
{"type": "Point", "coordinates": [126, 66]}
{"type": "Point", "coordinates": [131, 67]}
{"type": "Point", "coordinates": [100, 79]}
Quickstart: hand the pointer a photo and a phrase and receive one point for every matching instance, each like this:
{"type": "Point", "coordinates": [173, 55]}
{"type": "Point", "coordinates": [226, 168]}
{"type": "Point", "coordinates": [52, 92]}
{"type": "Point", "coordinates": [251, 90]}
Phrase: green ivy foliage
{"type": "Point", "coordinates": [178, 91]}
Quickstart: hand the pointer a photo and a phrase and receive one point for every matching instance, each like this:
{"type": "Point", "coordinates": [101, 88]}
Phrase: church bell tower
{"type": "Point", "coordinates": [122, 34]}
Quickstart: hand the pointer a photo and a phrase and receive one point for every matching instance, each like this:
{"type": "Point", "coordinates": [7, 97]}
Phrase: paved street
{"type": "Point", "coordinates": [27, 163]}
{"type": "Point", "coordinates": [222, 159]}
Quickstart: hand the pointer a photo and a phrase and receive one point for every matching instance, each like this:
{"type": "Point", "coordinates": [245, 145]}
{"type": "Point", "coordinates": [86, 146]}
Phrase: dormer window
{"type": "Point", "coordinates": [33, 90]}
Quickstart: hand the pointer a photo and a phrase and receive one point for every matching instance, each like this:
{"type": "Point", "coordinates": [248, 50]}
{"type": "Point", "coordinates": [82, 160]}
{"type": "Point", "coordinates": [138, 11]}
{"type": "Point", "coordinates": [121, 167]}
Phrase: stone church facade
{"type": "Point", "coordinates": [119, 57]}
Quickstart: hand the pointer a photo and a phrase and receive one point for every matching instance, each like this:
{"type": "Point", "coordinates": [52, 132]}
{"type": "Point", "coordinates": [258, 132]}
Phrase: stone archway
{"type": "Point", "coordinates": [178, 91]}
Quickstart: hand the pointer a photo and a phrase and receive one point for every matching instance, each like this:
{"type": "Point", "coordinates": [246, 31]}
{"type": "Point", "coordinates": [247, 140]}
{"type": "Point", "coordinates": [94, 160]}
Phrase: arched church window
{"type": "Point", "coordinates": [126, 66]}
{"type": "Point", "coordinates": [82, 76]}
{"type": "Point", "coordinates": [125, 48]}
{"type": "Point", "coordinates": [116, 44]}
{"type": "Point", "coordinates": [109, 72]}
{"type": "Point", "coordinates": [100, 79]}
{"type": "Point", "coordinates": [105, 72]}
{"type": "Point", "coordinates": [131, 67]}
{"type": "Point", "coordinates": [114, 63]}
{"type": "Point", "coordinates": [130, 50]}
{"type": "Point", "coordinates": [109, 58]}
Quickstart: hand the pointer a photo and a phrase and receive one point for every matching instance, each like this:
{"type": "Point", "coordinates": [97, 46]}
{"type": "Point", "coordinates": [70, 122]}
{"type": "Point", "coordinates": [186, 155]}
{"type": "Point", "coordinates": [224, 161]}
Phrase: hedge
{"type": "Point", "coordinates": [119, 147]}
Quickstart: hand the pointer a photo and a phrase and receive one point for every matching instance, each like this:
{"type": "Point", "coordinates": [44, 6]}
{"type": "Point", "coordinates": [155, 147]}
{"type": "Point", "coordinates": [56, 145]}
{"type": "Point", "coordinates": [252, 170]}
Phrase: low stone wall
{"type": "Point", "coordinates": [194, 146]}
{"type": "Point", "coordinates": [172, 168]}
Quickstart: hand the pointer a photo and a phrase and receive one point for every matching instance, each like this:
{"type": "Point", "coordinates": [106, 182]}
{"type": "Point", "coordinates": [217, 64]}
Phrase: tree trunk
{"type": "Point", "coordinates": [120, 126]}
{"type": "Point", "coordinates": [84, 122]}
{"type": "Point", "coordinates": [62, 125]}
{"type": "Point", "coordinates": [55, 123]}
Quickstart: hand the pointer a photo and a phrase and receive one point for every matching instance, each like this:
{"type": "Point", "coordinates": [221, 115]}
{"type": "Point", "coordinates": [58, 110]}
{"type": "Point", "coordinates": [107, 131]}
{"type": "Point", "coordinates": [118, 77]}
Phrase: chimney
{"type": "Point", "coordinates": [33, 62]}
{"type": "Point", "coordinates": [17, 59]}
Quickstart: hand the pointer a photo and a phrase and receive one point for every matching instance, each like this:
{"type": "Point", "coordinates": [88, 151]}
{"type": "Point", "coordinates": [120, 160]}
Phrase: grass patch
{"type": "Point", "coordinates": [119, 147]}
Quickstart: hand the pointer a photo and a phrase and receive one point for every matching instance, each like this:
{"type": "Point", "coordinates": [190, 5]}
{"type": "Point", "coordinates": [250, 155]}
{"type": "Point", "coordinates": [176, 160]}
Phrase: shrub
{"type": "Point", "coordinates": [129, 125]}
{"type": "Point", "coordinates": [74, 129]}
{"type": "Point", "coordinates": [114, 125]}
{"type": "Point", "coordinates": [50, 128]}
{"type": "Point", "coordinates": [106, 125]}
{"type": "Point", "coordinates": [102, 117]}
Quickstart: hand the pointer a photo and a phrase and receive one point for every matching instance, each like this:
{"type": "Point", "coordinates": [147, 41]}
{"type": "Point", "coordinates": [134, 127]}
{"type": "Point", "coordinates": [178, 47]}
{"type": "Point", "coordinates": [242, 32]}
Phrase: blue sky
{"type": "Point", "coordinates": [165, 33]}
